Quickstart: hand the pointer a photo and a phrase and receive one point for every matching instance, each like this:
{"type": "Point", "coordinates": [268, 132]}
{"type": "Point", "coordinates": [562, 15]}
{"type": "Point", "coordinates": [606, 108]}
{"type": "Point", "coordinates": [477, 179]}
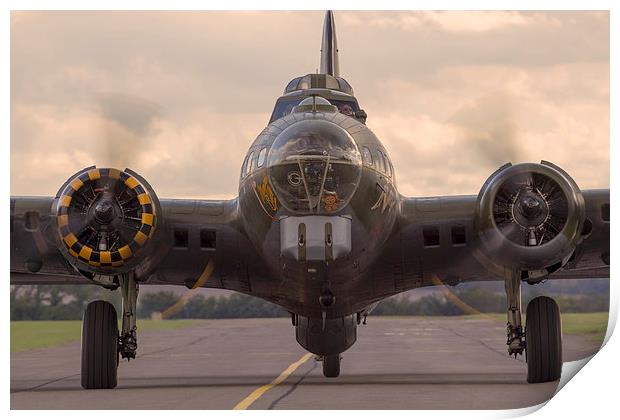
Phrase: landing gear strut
{"type": "Point", "coordinates": [514, 330]}
{"type": "Point", "coordinates": [128, 340]}
{"type": "Point", "coordinates": [542, 337]}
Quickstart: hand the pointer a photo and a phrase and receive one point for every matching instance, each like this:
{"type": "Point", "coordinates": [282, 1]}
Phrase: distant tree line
{"type": "Point", "coordinates": [469, 300]}
{"type": "Point", "coordinates": [56, 302]}
{"type": "Point", "coordinates": [68, 302]}
{"type": "Point", "coordinates": [200, 306]}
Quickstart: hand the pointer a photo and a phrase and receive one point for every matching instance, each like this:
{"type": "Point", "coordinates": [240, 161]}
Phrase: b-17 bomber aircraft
{"type": "Point", "coordinates": [319, 228]}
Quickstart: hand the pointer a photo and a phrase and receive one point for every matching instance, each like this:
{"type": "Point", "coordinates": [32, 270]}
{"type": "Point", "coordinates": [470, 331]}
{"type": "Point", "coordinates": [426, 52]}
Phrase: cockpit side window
{"type": "Point", "coordinates": [261, 157]}
{"type": "Point", "coordinates": [244, 167]}
{"type": "Point", "coordinates": [366, 156]}
{"type": "Point", "coordinates": [380, 161]}
{"type": "Point", "coordinates": [348, 108]}
{"type": "Point", "coordinates": [251, 162]}
{"type": "Point", "coordinates": [388, 168]}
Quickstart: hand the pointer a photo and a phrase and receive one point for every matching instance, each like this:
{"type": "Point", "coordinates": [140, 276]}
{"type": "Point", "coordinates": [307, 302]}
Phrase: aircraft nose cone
{"type": "Point", "coordinates": [314, 166]}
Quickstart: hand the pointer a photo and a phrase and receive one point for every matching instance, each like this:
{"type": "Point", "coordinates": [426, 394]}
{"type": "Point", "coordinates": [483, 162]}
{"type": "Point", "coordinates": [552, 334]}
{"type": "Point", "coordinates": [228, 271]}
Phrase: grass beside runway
{"type": "Point", "coordinates": [29, 335]}
{"type": "Point", "coordinates": [591, 325]}
{"type": "Point", "coordinates": [594, 324]}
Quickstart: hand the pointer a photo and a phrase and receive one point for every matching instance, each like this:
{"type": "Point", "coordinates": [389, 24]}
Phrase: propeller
{"type": "Point", "coordinates": [530, 209]}
{"type": "Point", "coordinates": [528, 217]}
{"type": "Point", "coordinates": [105, 213]}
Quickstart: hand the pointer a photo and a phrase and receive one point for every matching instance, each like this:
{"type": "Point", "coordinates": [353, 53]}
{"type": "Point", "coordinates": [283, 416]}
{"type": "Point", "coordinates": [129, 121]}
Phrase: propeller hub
{"type": "Point", "coordinates": [530, 209]}
{"type": "Point", "coordinates": [530, 205]}
{"type": "Point", "coordinates": [104, 211]}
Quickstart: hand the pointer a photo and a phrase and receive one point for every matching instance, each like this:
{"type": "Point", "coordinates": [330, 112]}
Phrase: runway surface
{"type": "Point", "coordinates": [397, 363]}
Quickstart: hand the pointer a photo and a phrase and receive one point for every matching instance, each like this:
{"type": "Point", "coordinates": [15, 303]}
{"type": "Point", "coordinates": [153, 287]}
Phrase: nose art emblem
{"type": "Point", "coordinates": [266, 196]}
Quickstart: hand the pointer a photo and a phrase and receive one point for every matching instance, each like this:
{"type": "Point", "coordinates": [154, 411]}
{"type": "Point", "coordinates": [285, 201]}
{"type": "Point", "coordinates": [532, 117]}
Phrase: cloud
{"type": "Point", "coordinates": [196, 157]}
{"type": "Point", "coordinates": [453, 21]}
{"type": "Point", "coordinates": [477, 21]}
{"type": "Point", "coordinates": [487, 126]}
{"type": "Point", "coordinates": [179, 96]}
{"type": "Point", "coordinates": [470, 120]}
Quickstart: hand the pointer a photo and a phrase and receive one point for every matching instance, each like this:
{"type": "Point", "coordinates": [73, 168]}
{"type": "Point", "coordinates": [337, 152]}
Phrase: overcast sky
{"type": "Point", "coordinates": [179, 96]}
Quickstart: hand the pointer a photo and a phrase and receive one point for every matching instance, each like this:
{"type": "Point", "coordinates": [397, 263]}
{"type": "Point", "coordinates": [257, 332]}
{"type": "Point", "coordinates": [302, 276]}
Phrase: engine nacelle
{"type": "Point", "coordinates": [529, 217]}
{"type": "Point", "coordinates": [106, 221]}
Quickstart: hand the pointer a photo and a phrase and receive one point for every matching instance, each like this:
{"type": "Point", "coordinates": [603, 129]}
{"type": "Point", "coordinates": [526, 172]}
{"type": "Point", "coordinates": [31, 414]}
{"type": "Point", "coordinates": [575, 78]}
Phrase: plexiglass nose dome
{"type": "Point", "coordinates": [314, 167]}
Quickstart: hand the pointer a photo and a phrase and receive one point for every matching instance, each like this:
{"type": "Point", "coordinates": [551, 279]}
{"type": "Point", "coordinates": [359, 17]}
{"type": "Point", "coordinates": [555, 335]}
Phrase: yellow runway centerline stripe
{"type": "Point", "coordinates": [258, 392]}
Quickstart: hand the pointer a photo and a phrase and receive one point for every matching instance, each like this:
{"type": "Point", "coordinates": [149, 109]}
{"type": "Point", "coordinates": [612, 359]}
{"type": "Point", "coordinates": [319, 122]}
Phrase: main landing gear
{"type": "Point", "coordinates": [101, 342]}
{"type": "Point", "coordinates": [542, 338]}
{"type": "Point", "coordinates": [99, 346]}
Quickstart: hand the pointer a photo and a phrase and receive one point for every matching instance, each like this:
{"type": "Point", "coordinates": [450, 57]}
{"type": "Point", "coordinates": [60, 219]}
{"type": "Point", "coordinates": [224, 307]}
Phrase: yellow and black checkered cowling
{"type": "Point", "coordinates": [110, 246]}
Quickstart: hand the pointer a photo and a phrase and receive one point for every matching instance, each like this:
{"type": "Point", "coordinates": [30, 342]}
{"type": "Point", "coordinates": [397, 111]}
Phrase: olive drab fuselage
{"type": "Point", "coordinates": [359, 227]}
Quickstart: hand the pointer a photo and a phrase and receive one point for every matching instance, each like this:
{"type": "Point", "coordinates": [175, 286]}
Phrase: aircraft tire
{"type": "Point", "coordinates": [331, 366]}
{"type": "Point", "coordinates": [99, 346]}
{"type": "Point", "coordinates": [543, 340]}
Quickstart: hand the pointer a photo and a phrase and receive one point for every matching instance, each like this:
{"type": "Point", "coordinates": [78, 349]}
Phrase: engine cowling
{"type": "Point", "coordinates": [529, 217]}
{"type": "Point", "coordinates": [105, 219]}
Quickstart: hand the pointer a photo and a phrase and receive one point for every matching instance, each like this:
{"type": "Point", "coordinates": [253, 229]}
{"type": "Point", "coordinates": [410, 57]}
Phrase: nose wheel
{"type": "Point", "coordinates": [331, 366]}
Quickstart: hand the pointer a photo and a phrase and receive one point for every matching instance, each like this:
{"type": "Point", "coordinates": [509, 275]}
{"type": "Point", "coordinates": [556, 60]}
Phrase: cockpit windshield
{"type": "Point", "coordinates": [285, 106]}
{"type": "Point", "coordinates": [314, 167]}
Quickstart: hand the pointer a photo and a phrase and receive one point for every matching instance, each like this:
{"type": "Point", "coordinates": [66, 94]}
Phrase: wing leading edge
{"type": "Point", "coordinates": [203, 245]}
{"type": "Point", "coordinates": [435, 240]}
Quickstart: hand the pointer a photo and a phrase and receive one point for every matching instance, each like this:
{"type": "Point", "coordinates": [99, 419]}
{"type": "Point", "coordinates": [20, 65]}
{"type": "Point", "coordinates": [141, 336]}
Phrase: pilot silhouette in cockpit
{"type": "Point", "coordinates": [346, 110]}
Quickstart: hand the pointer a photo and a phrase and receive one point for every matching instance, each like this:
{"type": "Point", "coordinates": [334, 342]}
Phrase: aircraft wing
{"type": "Point", "coordinates": [203, 231]}
{"type": "Point", "coordinates": [435, 241]}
